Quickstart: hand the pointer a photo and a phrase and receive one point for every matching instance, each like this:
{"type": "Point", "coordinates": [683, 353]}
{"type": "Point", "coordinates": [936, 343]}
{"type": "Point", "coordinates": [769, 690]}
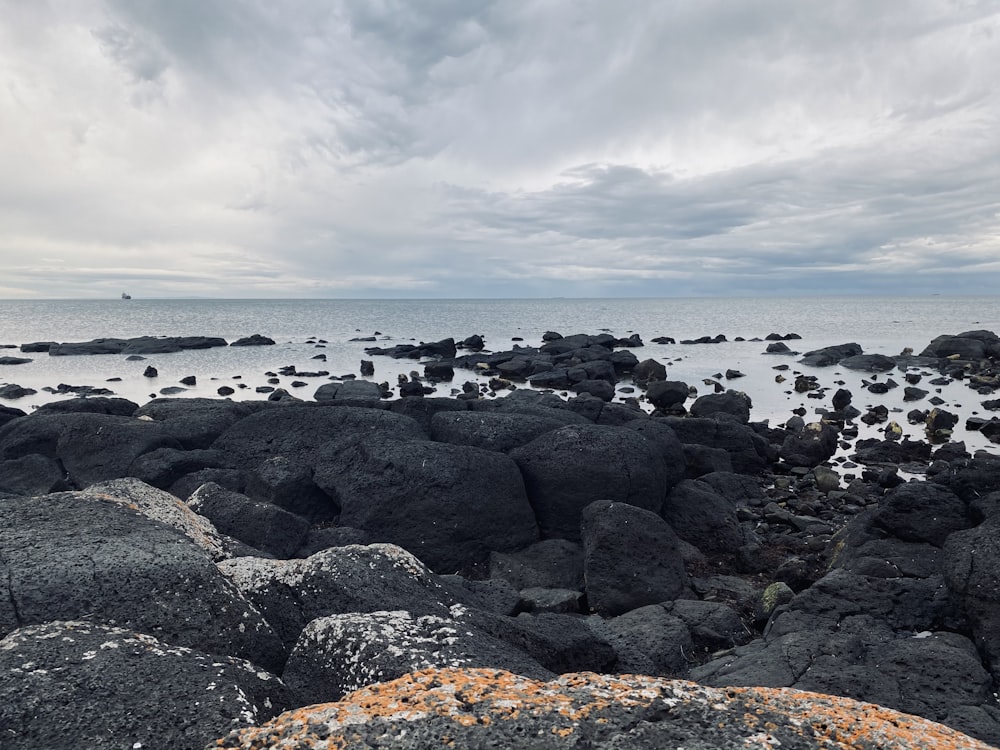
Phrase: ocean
{"type": "Point", "coordinates": [883, 325]}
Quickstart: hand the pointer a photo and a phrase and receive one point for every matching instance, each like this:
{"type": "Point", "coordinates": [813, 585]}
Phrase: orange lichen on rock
{"type": "Point", "coordinates": [469, 705]}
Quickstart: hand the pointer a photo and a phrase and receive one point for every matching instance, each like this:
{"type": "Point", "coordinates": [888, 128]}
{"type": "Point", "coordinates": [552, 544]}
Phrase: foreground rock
{"type": "Point", "coordinates": [491, 708]}
{"type": "Point", "coordinates": [69, 685]}
{"type": "Point", "coordinates": [72, 555]}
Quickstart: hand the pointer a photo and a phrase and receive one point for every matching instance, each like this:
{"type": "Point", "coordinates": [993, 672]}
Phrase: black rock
{"type": "Point", "coordinates": [254, 340]}
{"type": "Point", "coordinates": [261, 525]}
{"type": "Point", "coordinates": [450, 505]}
{"type": "Point", "coordinates": [631, 558]}
{"type": "Point", "coordinates": [567, 469]}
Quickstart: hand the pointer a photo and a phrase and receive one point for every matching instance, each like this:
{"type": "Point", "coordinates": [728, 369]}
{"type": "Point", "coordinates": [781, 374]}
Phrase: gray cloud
{"type": "Point", "coordinates": [508, 148]}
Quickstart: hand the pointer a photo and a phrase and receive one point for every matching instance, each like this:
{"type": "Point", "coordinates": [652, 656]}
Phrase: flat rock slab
{"type": "Point", "coordinates": [492, 708]}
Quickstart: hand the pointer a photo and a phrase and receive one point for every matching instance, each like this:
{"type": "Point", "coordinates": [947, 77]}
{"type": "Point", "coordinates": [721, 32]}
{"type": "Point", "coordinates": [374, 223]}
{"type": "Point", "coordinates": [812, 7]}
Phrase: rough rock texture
{"type": "Point", "coordinates": [163, 507]}
{"type": "Point", "coordinates": [261, 525]}
{"type": "Point", "coordinates": [354, 578]}
{"type": "Point", "coordinates": [495, 431]}
{"type": "Point", "coordinates": [450, 505]}
{"type": "Point", "coordinates": [338, 654]}
{"type": "Point", "coordinates": [631, 558]}
{"type": "Point", "coordinates": [194, 422]}
{"type": "Point", "coordinates": [702, 517]}
{"type": "Point", "coordinates": [91, 447]}
{"type": "Point", "coordinates": [73, 555]}
{"type": "Point", "coordinates": [70, 685]}
{"type": "Point", "coordinates": [480, 708]}
{"type": "Point", "coordinates": [567, 469]}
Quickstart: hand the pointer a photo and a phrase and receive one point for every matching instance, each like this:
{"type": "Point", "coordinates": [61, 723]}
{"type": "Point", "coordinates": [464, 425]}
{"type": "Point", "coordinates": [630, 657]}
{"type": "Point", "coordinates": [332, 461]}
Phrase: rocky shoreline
{"type": "Point", "coordinates": [254, 557]}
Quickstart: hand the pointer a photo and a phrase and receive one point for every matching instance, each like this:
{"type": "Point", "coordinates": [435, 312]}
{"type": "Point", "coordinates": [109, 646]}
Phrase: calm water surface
{"type": "Point", "coordinates": [881, 325]}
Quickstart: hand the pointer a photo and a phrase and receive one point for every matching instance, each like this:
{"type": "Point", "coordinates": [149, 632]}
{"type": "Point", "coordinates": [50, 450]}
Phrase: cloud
{"type": "Point", "coordinates": [511, 148]}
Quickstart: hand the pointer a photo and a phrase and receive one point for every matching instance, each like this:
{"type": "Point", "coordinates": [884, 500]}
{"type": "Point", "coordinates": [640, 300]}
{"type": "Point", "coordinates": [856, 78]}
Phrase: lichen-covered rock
{"type": "Point", "coordinates": [166, 508]}
{"type": "Point", "coordinates": [73, 555]}
{"type": "Point", "coordinates": [339, 580]}
{"type": "Point", "coordinates": [479, 708]}
{"type": "Point", "coordinates": [69, 685]}
{"type": "Point", "coordinates": [341, 653]}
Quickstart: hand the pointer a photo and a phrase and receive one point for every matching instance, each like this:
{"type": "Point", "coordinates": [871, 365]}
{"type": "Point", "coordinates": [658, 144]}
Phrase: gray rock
{"type": "Point", "coordinates": [364, 390]}
{"type": "Point", "coordinates": [73, 555]}
{"type": "Point", "coordinates": [340, 653]}
{"type": "Point", "coordinates": [479, 708]}
{"type": "Point", "coordinates": [495, 431]}
{"type": "Point", "coordinates": [69, 685]}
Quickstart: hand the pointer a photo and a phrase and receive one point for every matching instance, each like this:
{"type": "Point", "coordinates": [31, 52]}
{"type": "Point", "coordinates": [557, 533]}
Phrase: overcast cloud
{"type": "Point", "coordinates": [455, 148]}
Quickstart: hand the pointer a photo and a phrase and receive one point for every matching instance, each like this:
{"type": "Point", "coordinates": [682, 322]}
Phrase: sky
{"type": "Point", "coordinates": [498, 148]}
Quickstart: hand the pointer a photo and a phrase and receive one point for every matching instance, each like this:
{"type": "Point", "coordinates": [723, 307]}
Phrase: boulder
{"type": "Point", "coordinates": [339, 580]}
{"type": "Point", "coordinates": [830, 355]}
{"type": "Point", "coordinates": [485, 707]}
{"type": "Point", "coordinates": [702, 517]}
{"type": "Point", "coordinates": [164, 467]}
{"type": "Point", "coordinates": [363, 390]}
{"type": "Point", "coordinates": [495, 431]}
{"type": "Point", "coordinates": [730, 402]}
{"type": "Point", "coordinates": [647, 641]}
{"type": "Point", "coordinates": [255, 339]}
{"type": "Point", "coordinates": [90, 405]}
{"type": "Point", "coordinates": [667, 394]}
{"type": "Point", "coordinates": [297, 432]}
{"type": "Point", "coordinates": [667, 444]}
{"type": "Point", "coordinates": [631, 558]}
{"type": "Point", "coordinates": [550, 563]}
{"type": "Point", "coordinates": [921, 512]}
{"type": "Point", "coordinates": [972, 559]}
{"type": "Point", "coordinates": [194, 422]}
{"type": "Point", "coordinates": [263, 526]}
{"type": "Point", "coordinates": [9, 413]}
{"type": "Point", "coordinates": [340, 653]}
{"type": "Point", "coordinates": [450, 505]}
{"type": "Point", "coordinates": [567, 469]}
{"type": "Point", "coordinates": [970, 345]}
{"type": "Point", "coordinates": [811, 446]}
{"type": "Point", "coordinates": [161, 506]}
{"type": "Point", "coordinates": [91, 447]}
{"type": "Point", "coordinates": [936, 675]}
{"type": "Point", "coordinates": [749, 452]}
{"type": "Point", "coordinates": [648, 371]}
{"type": "Point", "coordinates": [69, 685]}
{"type": "Point", "coordinates": [32, 475]}
{"type": "Point", "coordinates": [72, 555]}
{"type": "Point", "coordinates": [13, 391]}
{"type": "Point", "coordinates": [281, 481]}
{"type": "Point", "coordinates": [869, 363]}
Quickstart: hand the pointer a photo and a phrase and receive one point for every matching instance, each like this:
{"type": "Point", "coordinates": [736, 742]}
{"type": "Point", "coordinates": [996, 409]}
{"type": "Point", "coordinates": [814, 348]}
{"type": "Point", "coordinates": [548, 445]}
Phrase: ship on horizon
{"type": "Point", "coordinates": [126, 295]}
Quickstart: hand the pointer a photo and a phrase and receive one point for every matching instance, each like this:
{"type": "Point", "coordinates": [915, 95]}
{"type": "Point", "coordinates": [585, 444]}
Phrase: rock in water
{"type": "Point", "coordinates": [492, 708]}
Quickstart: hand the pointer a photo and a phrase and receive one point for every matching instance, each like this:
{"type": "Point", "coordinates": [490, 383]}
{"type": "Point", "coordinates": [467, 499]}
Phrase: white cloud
{"type": "Point", "coordinates": [475, 146]}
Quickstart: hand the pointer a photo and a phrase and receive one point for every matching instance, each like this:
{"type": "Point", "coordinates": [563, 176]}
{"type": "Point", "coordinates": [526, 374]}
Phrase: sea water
{"type": "Point", "coordinates": [884, 325]}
